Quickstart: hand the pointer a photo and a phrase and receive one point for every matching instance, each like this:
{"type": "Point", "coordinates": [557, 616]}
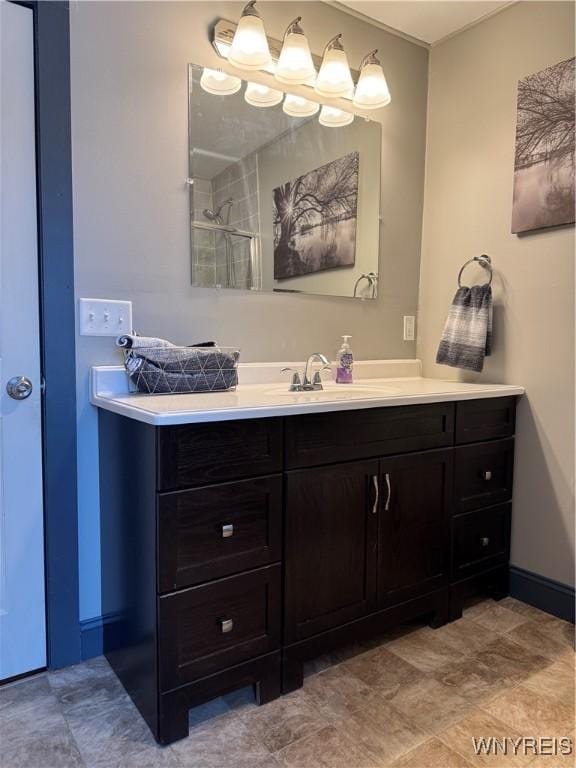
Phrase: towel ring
{"type": "Point", "coordinates": [484, 261]}
{"type": "Point", "coordinates": [372, 278]}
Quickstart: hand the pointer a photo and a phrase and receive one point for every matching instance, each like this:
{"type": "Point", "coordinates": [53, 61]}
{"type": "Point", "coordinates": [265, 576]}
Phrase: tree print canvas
{"type": "Point", "coordinates": [544, 160]}
{"type": "Point", "coordinates": [315, 219]}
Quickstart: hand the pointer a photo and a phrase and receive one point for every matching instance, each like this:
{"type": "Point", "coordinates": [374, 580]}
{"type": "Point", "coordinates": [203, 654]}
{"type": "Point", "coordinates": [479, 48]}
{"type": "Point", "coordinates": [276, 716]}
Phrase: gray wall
{"type": "Point", "coordinates": [130, 159]}
{"type": "Point", "coordinates": [469, 176]}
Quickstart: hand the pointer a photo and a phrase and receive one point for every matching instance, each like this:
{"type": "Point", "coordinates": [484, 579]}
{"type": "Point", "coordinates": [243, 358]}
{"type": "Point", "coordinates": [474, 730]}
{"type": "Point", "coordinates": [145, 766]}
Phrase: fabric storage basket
{"type": "Point", "coordinates": [182, 370]}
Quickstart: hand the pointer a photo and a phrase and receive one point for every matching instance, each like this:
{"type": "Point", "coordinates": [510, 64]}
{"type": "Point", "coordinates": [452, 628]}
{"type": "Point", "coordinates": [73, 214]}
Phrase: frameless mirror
{"type": "Point", "coordinates": [281, 203]}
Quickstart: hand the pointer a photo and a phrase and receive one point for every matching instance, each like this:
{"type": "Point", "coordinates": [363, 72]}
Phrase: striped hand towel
{"type": "Point", "coordinates": [467, 336]}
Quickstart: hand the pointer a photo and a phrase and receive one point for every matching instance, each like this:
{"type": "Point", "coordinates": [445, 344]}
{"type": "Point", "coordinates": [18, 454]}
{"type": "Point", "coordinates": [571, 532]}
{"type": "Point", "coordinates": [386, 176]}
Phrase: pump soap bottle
{"type": "Point", "coordinates": [345, 362]}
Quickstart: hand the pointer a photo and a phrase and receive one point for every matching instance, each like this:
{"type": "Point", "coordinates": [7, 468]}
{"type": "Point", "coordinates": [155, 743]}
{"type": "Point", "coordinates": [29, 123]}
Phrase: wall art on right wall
{"type": "Point", "coordinates": [544, 159]}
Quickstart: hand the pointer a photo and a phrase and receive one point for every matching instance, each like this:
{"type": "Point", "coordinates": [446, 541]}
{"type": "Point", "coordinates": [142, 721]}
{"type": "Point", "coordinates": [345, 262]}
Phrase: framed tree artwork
{"type": "Point", "coordinates": [314, 219]}
{"type": "Point", "coordinates": [544, 157]}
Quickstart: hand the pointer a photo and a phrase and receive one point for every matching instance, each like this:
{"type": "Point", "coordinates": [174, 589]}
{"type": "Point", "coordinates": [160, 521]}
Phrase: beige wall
{"type": "Point", "coordinates": [468, 196]}
{"type": "Point", "coordinates": [130, 159]}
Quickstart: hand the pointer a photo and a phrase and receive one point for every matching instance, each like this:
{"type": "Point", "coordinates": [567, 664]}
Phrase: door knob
{"type": "Point", "coordinates": [19, 387]}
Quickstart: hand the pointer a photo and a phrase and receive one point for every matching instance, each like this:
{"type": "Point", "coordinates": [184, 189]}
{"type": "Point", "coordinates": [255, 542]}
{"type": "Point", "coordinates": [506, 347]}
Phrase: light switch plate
{"type": "Point", "coordinates": [409, 327]}
{"type": "Point", "coordinates": [105, 317]}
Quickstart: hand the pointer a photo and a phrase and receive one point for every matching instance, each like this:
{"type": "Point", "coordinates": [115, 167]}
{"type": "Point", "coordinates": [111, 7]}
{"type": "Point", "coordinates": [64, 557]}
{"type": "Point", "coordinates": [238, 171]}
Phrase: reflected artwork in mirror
{"type": "Point", "coordinates": [279, 202]}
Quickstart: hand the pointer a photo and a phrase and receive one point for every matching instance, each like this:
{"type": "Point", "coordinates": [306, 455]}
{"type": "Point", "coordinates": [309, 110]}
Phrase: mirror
{"type": "Point", "coordinates": [281, 203]}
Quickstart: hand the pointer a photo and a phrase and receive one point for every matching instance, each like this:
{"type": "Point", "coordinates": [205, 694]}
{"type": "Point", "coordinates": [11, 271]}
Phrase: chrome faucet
{"type": "Point", "coordinates": [305, 384]}
{"type": "Point", "coordinates": [316, 383]}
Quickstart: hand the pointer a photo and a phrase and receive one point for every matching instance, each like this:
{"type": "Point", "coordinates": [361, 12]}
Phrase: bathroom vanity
{"type": "Point", "coordinates": [235, 546]}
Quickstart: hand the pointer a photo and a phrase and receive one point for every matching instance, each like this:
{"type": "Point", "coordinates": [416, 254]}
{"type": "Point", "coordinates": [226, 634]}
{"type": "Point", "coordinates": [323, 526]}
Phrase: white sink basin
{"type": "Point", "coordinates": [333, 392]}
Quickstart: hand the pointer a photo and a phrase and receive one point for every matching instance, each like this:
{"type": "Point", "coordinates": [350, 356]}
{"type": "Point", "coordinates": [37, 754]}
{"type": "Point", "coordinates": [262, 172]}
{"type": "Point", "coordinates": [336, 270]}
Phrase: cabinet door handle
{"type": "Point", "coordinates": [227, 531]}
{"type": "Point", "coordinates": [376, 485]}
{"type": "Point", "coordinates": [487, 474]}
{"type": "Point", "coordinates": [226, 625]}
{"type": "Point", "coordinates": [389, 494]}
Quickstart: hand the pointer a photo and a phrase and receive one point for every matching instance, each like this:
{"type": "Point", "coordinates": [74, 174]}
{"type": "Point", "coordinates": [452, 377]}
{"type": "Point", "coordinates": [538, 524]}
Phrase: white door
{"type": "Point", "coordinates": [22, 612]}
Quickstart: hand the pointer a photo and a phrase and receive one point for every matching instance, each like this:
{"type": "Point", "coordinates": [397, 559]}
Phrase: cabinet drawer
{"type": "Point", "coordinates": [326, 438]}
{"type": "Point", "coordinates": [205, 629]}
{"type": "Point", "coordinates": [202, 454]}
{"type": "Point", "coordinates": [480, 540]}
{"type": "Point", "coordinates": [208, 533]}
{"type": "Point", "coordinates": [487, 419]}
{"type": "Point", "coordinates": [483, 474]}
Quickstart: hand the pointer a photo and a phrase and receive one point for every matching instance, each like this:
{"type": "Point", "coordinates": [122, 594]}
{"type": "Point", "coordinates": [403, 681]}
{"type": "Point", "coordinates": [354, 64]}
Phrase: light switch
{"type": "Point", "coordinates": [105, 317]}
{"type": "Point", "coordinates": [409, 327]}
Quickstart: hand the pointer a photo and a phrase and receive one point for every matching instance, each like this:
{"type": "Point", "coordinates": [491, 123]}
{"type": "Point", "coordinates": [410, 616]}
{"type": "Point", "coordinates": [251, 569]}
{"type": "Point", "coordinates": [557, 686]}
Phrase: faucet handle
{"type": "Point", "coordinates": [317, 380]}
{"type": "Point", "coordinates": [295, 383]}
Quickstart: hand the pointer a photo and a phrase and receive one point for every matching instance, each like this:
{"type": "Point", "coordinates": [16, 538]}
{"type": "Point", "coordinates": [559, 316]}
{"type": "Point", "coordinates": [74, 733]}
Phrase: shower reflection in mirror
{"type": "Point", "coordinates": [234, 250]}
{"type": "Point", "coordinates": [224, 239]}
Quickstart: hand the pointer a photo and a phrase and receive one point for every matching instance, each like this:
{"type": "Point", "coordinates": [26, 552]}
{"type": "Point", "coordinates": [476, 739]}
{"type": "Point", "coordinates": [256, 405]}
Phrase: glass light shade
{"type": "Point", "coordinates": [261, 96]}
{"type": "Point", "coordinates": [372, 89]}
{"type": "Point", "coordinates": [218, 82]}
{"type": "Point", "coordinates": [334, 78]}
{"type": "Point", "coordinates": [297, 106]}
{"type": "Point", "coordinates": [295, 65]}
{"type": "Point", "coordinates": [249, 48]}
{"type": "Point", "coordinates": [331, 117]}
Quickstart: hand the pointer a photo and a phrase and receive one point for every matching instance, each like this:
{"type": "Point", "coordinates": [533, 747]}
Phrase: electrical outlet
{"type": "Point", "coordinates": [105, 317]}
{"type": "Point", "coordinates": [409, 327]}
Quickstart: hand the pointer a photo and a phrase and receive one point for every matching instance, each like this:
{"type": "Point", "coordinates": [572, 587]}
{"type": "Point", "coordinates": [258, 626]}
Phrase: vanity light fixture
{"type": "Point", "coordinates": [219, 83]}
{"type": "Point", "coordinates": [295, 65]}
{"type": "Point", "coordinates": [249, 48]}
{"type": "Point", "coordinates": [334, 78]}
{"type": "Point", "coordinates": [261, 96]}
{"type": "Point", "coordinates": [297, 106]}
{"type": "Point", "coordinates": [372, 89]}
{"type": "Point", "coordinates": [331, 117]}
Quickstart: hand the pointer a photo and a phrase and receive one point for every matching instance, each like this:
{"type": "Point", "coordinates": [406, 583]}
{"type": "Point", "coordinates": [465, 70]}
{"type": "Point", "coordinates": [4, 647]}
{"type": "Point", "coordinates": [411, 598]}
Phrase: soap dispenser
{"type": "Point", "coordinates": [345, 362]}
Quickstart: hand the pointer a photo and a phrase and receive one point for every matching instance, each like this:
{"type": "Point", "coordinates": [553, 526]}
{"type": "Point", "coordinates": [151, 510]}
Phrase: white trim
{"type": "Point", "coordinates": [471, 24]}
{"type": "Point", "coordinates": [375, 23]}
{"type": "Point", "coordinates": [410, 38]}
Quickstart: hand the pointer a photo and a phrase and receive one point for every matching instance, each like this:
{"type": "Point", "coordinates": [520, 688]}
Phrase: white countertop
{"type": "Point", "coordinates": [266, 396]}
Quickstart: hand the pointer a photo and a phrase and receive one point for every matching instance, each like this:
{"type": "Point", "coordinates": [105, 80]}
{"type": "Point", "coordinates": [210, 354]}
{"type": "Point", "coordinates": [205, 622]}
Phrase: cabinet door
{"type": "Point", "coordinates": [331, 546]}
{"type": "Point", "coordinates": [414, 535]}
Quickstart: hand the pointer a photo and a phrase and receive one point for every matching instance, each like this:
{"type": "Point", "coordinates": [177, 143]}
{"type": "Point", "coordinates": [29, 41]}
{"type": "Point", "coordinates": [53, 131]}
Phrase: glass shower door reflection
{"type": "Point", "coordinates": [224, 257]}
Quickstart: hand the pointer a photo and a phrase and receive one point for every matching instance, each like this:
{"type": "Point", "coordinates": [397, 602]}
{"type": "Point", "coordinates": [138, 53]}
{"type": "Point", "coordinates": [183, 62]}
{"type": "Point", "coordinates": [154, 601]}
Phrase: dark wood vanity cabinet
{"type": "Point", "coordinates": [362, 536]}
{"type": "Point", "coordinates": [234, 551]}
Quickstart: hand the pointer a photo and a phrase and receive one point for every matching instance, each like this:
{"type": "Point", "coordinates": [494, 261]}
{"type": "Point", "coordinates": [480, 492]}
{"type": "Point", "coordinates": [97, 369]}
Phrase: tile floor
{"type": "Point", "coordinates": [413, 699]}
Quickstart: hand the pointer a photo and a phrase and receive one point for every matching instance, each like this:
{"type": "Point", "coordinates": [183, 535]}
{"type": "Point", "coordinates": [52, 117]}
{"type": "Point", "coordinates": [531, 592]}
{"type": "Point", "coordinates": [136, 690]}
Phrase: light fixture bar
{"type": "Point", "coordinates": [223, 34]}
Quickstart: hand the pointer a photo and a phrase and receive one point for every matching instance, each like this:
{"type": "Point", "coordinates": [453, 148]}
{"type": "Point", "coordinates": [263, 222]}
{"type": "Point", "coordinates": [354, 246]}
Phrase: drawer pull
{"type": "Point", "coordinates": [227, 531]}
{"type": "Point", "coordinates": [484, 541]}
{"type": "Point", "coordinates": [226, 625]}
{"type": "Point", "coordinates": [389, 492]}
{"type": "Point", "coordinates": [376, 494]}
{"type": "Point", "coordinates": [487, 474]}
